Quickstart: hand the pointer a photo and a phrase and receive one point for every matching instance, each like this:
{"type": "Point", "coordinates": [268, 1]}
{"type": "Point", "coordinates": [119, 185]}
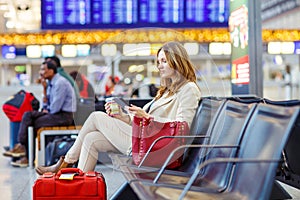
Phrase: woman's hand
{"type": "Point", "coordinates": [138, 112]}
{"type": "Point", "coordinates": [113, 109]}
{"type": "Point", "coordinates": [116, 112]}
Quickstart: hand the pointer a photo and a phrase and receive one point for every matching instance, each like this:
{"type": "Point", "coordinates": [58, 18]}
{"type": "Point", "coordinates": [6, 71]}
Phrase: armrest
{"type": "Point", "coordinates": [162, 169]}
{"type": "Point", "coordinates": [165, 137]}
{"type": "Point", "coordinates": [221, 160]}
{"type": "Point", "coordinates": [187, 187]}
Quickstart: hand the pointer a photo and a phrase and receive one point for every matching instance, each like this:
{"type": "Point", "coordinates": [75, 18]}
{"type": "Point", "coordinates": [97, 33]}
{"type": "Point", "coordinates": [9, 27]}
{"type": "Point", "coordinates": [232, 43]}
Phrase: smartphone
{"type": "Point", "coordinates": [122, 103]}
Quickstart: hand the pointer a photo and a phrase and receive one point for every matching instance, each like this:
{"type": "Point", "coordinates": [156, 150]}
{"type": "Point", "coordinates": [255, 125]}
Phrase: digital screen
{"type": "Point", "coordinates": [161, 11]}
{"type": "Point", "coordinates": [207, 11]}
{"type": "Point", "coordinates": [115, 12]}
{"type": "Point", "coordinates": [8, 52]}
{"type": "Point", "coordinates": [105, 14]}
{"type": "Point", "coordinates": [297, 47]}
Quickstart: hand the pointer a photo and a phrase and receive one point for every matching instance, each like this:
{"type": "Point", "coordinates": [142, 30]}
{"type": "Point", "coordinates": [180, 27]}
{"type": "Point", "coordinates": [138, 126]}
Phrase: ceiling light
{"type": "Point", "coordinates": [274, 47]}
{"type": "Point", "coordinates": [8, 14]}
{"type": "Point", "coordinates": [69, 50]}
{"type": "Point", "coordinates": [10, 24]}
{"type": "Point", "coordinates": [109, 50]}
{"type": "Point", "coordinates": [129, 49]}
{"type": "Point", "coordinates": [33, 51]}
{"type": "Point", "coordinates": [215, 48]}
{"type": "Point", "coordinates": [3, 7]}
{"type": "Point", "coordinates": [143, 49]}
{"type": "Point", "coordinates": [287, 47]}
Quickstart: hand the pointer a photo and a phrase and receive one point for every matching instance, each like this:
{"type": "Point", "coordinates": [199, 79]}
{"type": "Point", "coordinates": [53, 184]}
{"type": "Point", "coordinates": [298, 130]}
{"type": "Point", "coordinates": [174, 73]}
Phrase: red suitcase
{"type": "Point", "coordinates": [89, 185]}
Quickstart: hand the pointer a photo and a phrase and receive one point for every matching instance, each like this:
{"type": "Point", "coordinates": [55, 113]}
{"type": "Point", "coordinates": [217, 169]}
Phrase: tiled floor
{"type": "Point", "coordinates": [16, 183]}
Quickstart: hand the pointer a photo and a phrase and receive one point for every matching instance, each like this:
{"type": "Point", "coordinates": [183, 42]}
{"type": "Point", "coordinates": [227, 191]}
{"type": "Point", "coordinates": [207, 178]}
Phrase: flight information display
{"type": "Point", "coordinates": [161, 11]}
{"type": "Point", "coordinates": [211, 11]}
{"type": "Point", "coordinates": [102, 14]}
{"type": "Point", "coordinates": [114, 12]}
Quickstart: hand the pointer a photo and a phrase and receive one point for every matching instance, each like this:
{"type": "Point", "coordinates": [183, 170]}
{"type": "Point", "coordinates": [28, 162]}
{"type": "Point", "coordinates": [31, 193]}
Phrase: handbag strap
{"type": "Point", "coordinates": [148, 109]}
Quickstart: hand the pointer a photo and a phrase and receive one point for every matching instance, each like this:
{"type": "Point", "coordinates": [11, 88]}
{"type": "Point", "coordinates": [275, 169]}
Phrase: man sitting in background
{"type": "Point", "coordinates": [60, 70]}
{"type": "Point", "coordinates": [58, 111]}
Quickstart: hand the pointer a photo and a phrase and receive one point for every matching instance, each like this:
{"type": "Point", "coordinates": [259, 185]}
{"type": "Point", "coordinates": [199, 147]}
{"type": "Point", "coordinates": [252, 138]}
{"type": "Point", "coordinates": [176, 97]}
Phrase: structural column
{"type": "Point", "coordinates": [255, 48]}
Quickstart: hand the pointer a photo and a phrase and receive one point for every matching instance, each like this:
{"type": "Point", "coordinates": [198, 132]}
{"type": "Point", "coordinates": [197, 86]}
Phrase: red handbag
{"type": "Point", "coordinates": [146, 131]}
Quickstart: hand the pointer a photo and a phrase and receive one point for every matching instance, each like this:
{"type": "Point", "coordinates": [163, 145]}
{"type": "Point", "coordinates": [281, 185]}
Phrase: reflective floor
{"type": "Point", "coordinates": [16, 183]}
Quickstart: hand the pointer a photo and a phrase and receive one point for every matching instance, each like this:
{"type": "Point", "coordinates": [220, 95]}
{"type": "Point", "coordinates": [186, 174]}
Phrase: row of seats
{"type": "Point", "coordinates": [234, 153]}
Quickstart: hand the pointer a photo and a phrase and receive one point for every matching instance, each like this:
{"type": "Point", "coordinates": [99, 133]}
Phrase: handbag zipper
{"type": "Point", "coordinates": [141, 144]}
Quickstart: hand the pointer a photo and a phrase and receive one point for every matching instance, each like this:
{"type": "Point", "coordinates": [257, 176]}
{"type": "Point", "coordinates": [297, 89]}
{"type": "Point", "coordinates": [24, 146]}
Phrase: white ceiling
{"type": "Point", "coordinates": [287, 20]}
{"type": "Point", "coordinates": [20, 15]}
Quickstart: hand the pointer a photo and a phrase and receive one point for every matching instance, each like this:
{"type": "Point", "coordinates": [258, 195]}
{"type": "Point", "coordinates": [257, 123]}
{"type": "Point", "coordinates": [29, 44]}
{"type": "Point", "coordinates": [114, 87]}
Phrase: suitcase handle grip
{"type": "Point", "coordinates": [70, 170]}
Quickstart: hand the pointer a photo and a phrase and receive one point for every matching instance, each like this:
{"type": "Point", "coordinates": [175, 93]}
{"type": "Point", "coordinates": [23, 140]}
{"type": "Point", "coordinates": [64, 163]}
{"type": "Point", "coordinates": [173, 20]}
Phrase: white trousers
{"type": "Point", "coordinates": [100, 133]}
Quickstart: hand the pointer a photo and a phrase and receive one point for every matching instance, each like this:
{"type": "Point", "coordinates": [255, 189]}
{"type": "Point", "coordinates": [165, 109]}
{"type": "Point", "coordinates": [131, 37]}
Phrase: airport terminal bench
{"type": "Point", "coordinates": [252, 169]}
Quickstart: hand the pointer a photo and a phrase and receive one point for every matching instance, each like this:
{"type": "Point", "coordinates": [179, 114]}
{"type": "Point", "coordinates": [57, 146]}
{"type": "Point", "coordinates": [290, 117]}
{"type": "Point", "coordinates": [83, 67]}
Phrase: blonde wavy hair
{"type": "Point", "coordinates": [178, 59]}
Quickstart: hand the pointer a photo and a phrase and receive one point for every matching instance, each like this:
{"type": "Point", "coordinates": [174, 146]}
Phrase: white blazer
{"type": "Point", "coordinates": [179, 107]}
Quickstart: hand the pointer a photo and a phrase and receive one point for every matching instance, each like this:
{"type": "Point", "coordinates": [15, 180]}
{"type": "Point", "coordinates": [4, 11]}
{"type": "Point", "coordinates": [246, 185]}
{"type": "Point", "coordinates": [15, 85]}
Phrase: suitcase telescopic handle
{"type": "Point", "coordinates": [70, 170]}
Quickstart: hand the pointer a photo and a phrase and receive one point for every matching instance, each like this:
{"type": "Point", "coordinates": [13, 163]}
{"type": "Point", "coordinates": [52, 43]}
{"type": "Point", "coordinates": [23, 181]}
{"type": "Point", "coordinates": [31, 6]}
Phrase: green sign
{"type": "Point", "coordinates": [239, 36]}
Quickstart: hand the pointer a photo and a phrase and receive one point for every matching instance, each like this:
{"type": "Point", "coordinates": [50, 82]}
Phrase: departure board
{"type": "Point", "coordinates": [212, 11]}
{"type": "Point", "coordinates": [161, 11]}
{"type": "Point", "coordinates": [66, 14]}
{"type": "Point", "coordinates": [114, 12]}
{"type": "Point", "coordinates": [71, 12]}
{"type": "Point", "coordinates": [103, 14]}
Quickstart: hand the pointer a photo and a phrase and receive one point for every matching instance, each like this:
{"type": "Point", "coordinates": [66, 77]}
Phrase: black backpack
{"type": "Point", "coordinates": [57, 148]}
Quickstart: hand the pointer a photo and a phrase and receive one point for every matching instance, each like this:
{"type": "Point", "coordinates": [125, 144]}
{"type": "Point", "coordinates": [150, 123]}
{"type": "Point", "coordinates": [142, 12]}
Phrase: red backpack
{"type": "Point", "coordinates": [18, 104]}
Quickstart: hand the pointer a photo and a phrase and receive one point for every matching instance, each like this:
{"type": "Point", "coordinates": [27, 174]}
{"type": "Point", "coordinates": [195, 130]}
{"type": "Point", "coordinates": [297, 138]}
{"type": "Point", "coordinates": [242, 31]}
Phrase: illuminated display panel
{"type": "Point", "coordinates": [9, 52]}
{"type": "Point", "coordinates": [107, 14]}
{"type": "Point", "coordinates": [161, 12]}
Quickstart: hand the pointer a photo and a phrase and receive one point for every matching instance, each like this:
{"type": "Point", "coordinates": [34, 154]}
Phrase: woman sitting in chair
{"type": "Point", "coordinates": [176, 100]}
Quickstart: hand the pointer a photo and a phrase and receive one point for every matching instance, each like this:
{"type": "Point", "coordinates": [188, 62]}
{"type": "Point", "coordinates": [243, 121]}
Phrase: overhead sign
{"type": "Point", "coordinates": [104, 14]}
{"type": "Point", "coordinates": [272, 8]}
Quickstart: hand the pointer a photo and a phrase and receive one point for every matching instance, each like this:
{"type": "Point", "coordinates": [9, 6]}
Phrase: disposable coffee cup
{"type": "Point", "coordinates": [114, 107]}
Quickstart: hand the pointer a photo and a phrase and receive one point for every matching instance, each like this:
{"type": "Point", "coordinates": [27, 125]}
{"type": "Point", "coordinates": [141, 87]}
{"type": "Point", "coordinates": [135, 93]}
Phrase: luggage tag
{"type": "Point", "coordinates": [67, 176]}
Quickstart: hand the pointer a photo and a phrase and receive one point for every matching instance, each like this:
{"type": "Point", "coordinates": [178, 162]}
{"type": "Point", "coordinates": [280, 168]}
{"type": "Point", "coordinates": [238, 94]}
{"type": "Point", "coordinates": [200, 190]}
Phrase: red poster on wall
{"type": "Point", "coordinates": [240, 72]}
